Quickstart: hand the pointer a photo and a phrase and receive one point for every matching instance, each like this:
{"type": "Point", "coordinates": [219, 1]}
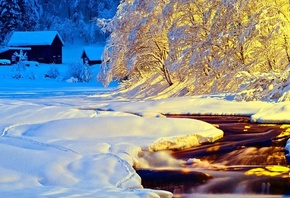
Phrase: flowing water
{"type": "Point", "coordinates": [250, 161]}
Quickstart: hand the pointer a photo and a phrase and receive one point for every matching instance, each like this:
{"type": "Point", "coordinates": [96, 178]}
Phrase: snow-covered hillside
{"type": "Point", "coordinates": [61, 138]}
{"type": "Point", "coordinates": [86, 145]}
{"type": "Point", "coordinates": [176, 48]}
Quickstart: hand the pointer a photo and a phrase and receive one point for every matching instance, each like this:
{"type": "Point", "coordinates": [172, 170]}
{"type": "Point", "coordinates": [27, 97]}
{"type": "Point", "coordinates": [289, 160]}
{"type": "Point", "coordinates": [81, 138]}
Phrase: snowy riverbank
{"type": "Point", "coordinates": [62, 146]}
{"type": "Point", "coordinates": [71, 139]}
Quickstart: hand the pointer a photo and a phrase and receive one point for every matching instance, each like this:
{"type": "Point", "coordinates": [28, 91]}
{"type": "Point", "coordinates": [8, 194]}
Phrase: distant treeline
{"type": "Point", "coordinates": [72, 18]}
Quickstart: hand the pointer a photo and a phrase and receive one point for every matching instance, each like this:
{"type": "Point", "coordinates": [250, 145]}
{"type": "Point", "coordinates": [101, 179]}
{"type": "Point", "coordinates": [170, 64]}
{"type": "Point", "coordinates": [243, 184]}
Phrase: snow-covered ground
{"type": "Point", "coordinates": [63, 139]}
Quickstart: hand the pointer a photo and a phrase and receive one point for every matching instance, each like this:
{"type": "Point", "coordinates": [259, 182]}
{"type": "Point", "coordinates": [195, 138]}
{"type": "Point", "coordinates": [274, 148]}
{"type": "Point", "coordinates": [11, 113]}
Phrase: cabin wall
{"type": "Point", "coordinates": [5, 55]}
{"type": "Point", "coordinates": [56, 50]}
{"type": "Point", "coordinates": [9, 54]}
{"type": "Point", "coordinates": [95, 62]}
{"type": "Point", "coordinates": [46, 53]}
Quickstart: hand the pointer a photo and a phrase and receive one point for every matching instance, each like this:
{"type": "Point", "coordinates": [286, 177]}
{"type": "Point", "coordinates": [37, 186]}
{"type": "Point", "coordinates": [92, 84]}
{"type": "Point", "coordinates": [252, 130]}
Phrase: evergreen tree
{"type": "Point", "coordinates": [10, 17]}
{"type": "Point", "coordinates": [90, 11]}
{"type": "Point", "coordinates": [30, 15]}
{"type": "Point", "coordinates": [71, 6]}
{"type": "Point", "coordinates": [21, 15]}
{"type": "Point", "coordinates": [106, 9]}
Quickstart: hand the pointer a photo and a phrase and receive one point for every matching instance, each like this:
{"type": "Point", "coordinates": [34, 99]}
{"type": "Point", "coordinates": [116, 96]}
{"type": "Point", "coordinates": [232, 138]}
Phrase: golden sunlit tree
{"type": "Point", "coordinates": [202, 43]}
{"type": "Point", "coordinates": [273, 29]}
{"type": "Point", "coordinates": [138, 45]}
{"type": "Point", "coordinates": [113, 66]}
{"type": "Point", "coordinates": [148, 43]}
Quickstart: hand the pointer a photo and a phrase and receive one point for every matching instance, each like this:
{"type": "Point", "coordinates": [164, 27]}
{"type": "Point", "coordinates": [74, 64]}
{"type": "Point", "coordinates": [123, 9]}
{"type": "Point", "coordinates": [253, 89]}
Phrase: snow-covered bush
{"type": "Point", "coordinates": [72, 80]}
{"type": "Point", "coordinates": [81, 72]}
{"type": "Point", "coordinates": [32, 75]}
{"type": "Point", "coordinates": [53, 72]}
{"type": "Point", "coordinates": [18, 70]}
{"type": "Point", "coordinates": [265, 86]}
{"type": "Point", "coordinates": [23, 69]}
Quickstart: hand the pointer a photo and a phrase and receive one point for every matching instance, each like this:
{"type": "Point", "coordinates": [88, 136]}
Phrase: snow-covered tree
{"type": "Point", "coordinates": [30, 15]}
{"type": "Point", "coordinates": [26, 15]}
{"type": "Point", "coordinates": [90, 10]}
{"type": "Point", "coordinates": [20, 15]}
{"type": "Point", "coordinates": [189, 39]}
{"type": "Point", "coordinates": [66, 28]}
{"type": "Point", "coordinates": [273, 29]}
{"type": "Point", "coordinates": [106, 9]}
{"type": "Point", "coordinates": [70, 6]}
{"type": "Point", "coordinates": [204, 43]}
{"type": "Point", "coordinates": [10, 17]}
{"type": "Point", "coordinates": [143, 47]}
{"type": "Point", "coordinates": [148, 43]}
{"type": "Point", "coordinates": [113, 66]}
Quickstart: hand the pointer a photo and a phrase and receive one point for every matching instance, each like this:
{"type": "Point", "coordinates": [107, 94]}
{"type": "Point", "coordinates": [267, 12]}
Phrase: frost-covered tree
{"type": "Point", "coordinates": [203, 43]}
{"type": "Point", "coordinates": [106, 9]}
{"type": "Point", "coordinates": [66, 28]}
{"type": "Point", "coordinates": [190, 40]}
{"type": "Point", "coordinates": [273, 29]}
{"type": "Point", "coordinates": [90, 10]}
{"type": "Point", "coordinates": [70, 6]}
{"type": "Point", "coordinates": [148, 43]}
{"type": "Point", "coordinates": [20, 15]}
{"type": "Point", "coordinates": [30, 15]}
{"type": "Point", "coordinates": [142, 49]}
{"type": "Point", "coordinates": [80, 14]}
{"type": "Point", "coordinates": [10, 17]}
{"type": "Point", "coordinates": [113, 66]}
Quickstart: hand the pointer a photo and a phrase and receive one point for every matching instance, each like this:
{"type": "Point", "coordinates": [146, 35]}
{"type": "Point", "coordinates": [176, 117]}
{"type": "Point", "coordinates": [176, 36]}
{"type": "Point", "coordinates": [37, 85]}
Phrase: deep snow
{"type": "Point", "coordinates": [61, 139]}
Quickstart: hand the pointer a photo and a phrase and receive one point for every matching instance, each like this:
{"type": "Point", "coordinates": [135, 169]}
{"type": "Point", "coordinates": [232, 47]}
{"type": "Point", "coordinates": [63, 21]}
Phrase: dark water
{"type": "Point", "coordinates": [249, 160]}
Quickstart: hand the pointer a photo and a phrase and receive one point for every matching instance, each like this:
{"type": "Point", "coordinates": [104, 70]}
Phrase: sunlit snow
{"type": "Point", "coordinates": [61, 139]}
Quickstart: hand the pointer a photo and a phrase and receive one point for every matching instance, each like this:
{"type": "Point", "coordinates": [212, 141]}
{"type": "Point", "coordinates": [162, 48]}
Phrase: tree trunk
{"type": "Point", "coordinates": [69, 12]}
{"type": "Point", "coordinates": [167, 75]}
{"type": "Point", "coordinates": [242, 55]}
{"type": "Point", "coordinates": [286, 48]}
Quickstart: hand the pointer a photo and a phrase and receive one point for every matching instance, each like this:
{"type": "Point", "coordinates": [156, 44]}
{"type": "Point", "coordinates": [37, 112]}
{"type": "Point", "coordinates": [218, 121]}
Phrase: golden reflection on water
{"type": "Point", "coordinates": [251, 169]}
{"type": "Point", "coordinates": [285, 132]}
{"type": "Point", "coordinates": [246, 128]}
{"type": "Point", "coordinates": [270, 171]}
{"type": "Point", "coordinates": [213, 149]}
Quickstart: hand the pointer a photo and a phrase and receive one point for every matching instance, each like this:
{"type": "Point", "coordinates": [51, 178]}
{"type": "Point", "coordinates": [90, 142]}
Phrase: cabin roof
{"type": "Point", "coordinates": [93, 53]}
{"type": "Point", "coordinates": [33, 38]}
{"type": "Point", "coordinates": [5, 49]}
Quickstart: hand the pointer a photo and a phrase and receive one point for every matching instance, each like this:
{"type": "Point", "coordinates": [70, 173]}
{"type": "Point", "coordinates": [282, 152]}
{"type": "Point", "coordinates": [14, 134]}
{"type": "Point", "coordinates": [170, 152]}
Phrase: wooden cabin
{"type": "Point", "coordinates": [9, 53]}
{"type": "Point", "coordinates": [46, 46]}
{"type": "Point", "coordinates": [92, 55]}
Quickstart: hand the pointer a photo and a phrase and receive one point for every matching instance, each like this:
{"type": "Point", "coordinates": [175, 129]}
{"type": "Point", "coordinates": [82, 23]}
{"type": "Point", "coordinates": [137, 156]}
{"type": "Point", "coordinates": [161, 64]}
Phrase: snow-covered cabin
{"type": "Point", "coordinates": [92, 55]}
{"type": "Point", "coordinates": [46, 46]}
